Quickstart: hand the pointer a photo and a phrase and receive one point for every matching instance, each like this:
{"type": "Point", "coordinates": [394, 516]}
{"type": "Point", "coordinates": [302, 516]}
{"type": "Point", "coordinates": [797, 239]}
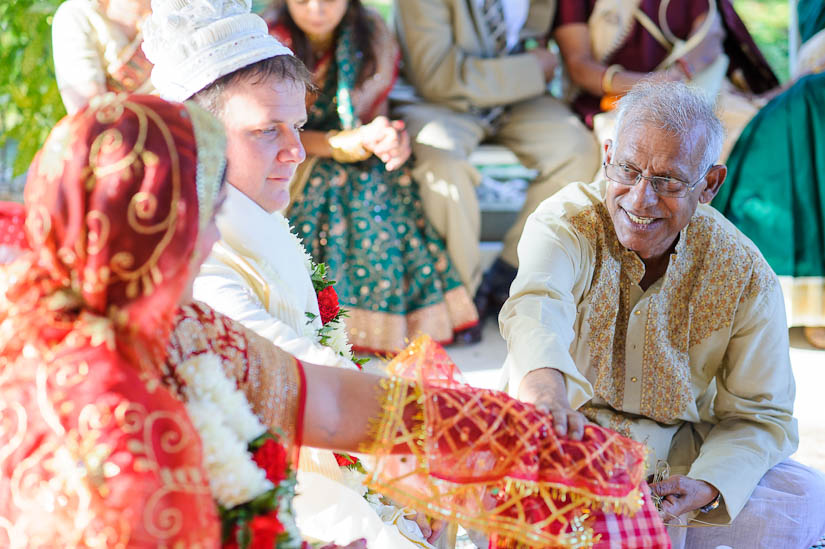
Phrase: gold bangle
{"type": "Point", "coordinates": [346, 146]}
{"type": "Point", "coordinates": [607, 78]}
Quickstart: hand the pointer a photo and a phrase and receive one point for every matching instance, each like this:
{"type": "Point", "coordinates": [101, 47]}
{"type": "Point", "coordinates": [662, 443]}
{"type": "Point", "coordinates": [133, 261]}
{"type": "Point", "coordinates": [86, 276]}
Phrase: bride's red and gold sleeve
{"type": "Point", "coordinates": [271, 379]}
{"type": "Point", "coordinates": [93, 454]}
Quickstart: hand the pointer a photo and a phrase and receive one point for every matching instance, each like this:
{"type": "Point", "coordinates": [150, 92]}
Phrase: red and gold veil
{"type": "Point", "coordinates": [93, 449]}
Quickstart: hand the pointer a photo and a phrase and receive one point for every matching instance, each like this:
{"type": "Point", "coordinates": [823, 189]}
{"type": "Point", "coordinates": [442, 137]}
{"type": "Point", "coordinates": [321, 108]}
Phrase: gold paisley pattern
{"type": "Point", "coordinates": [709, 276]}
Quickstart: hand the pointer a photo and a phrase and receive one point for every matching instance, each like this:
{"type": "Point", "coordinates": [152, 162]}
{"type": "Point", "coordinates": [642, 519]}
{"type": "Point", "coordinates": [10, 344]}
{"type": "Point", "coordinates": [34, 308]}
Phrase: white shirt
{"type": "Point", "coordinates": [258, 275]}
{"type": "Point", "coordinates": [515, 15]}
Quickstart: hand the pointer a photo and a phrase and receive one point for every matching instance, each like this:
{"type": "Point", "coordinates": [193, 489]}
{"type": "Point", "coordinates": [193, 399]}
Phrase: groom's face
{"type": "Point", "coordinates": [263, 120]}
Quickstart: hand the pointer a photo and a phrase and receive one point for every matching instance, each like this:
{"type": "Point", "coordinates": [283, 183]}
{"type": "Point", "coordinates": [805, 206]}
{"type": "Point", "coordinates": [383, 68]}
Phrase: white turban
{"type": "Point", "coordinates": [192, 43]}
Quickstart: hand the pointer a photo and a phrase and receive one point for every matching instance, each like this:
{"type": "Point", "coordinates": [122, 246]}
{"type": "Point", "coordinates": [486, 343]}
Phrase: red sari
{"type": "Point", "coordinates": [93, 449]}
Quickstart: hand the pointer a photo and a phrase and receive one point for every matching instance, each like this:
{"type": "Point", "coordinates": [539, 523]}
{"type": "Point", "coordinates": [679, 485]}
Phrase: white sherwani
{"type": "Point", "coordinates": [258, 274]}
{"type": "Point", "coordinates": [696, 366]}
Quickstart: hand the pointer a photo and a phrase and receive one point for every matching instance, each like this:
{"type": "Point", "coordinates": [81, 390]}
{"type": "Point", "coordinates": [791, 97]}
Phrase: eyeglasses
{"type": "Point", "coordinates": [663, 186]}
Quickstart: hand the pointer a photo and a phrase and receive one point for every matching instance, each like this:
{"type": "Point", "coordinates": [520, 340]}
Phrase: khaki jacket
{"type": "Point", "coordinates": [448, 55]}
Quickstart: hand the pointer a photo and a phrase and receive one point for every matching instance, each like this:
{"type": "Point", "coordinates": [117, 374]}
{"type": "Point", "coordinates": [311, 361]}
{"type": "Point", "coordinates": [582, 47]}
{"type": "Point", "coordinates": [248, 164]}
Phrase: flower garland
{"type": "Point", "coordinates": [249, 476]}
{"type": "Point", "coordinates": [333, 331]}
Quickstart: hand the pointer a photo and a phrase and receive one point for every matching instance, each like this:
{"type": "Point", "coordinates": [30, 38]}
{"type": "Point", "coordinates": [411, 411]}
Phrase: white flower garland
{"type": "Point", "coordinates": [226, 424]}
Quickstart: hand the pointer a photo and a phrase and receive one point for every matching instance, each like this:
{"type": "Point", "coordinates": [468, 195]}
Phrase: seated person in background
{"type": "Point", "coordinates": [776, 195]}
{"type": "Point", "coordinates": [811, 55]}
{"type": "Point", "coordinates": [609, 45]}
{"type": "Point", "coordinates": [353, 201]}
{"type": "Point", "coordinates": [641, 308]}
{"type": "Point", "coordinates": [96, 46]}
{"type": "Point", "coordinates": [475, 82]}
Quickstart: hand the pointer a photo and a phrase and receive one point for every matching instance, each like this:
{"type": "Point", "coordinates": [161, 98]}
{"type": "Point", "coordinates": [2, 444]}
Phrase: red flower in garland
{"type": "Point", "coordinates": [328, 304]}
{"type": "Point", "coordinates": [345, 460]}
{"type": "Point", "coordinates": [265, 530]}
{"type": "Point", "coordinates": [271, 457]}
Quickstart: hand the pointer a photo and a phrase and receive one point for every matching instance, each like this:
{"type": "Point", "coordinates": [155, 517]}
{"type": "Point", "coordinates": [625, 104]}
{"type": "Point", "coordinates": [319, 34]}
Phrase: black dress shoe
{"type": "Point", "coordinates": [469, 336]}
{"type": "Point", "coordinates": [494, 288]}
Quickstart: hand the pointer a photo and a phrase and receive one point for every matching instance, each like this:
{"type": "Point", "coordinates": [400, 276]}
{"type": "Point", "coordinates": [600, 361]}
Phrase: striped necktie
{"type": "Point", "coordinates": [493, 13]}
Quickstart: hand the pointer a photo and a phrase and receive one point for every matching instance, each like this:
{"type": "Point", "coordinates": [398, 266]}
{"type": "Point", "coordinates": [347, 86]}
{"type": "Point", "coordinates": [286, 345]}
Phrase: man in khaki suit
{"type": "Point", "coordinates": [474, 82]}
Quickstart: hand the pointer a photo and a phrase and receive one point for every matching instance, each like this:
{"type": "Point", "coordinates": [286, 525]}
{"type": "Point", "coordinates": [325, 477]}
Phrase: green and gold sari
{"type": "Point", "coordinates": [392, 271]}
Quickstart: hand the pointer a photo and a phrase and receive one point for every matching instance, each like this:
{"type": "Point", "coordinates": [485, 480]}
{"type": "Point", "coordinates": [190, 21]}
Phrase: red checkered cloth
{"type": "Point", "coordinates": [644, 530]}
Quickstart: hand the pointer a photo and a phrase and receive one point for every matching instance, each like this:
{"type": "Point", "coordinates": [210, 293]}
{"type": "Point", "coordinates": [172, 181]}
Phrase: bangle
{"type": "Point", "coordinates": [686, 68]}
{"type": "Point", "coordinates": [607, 78]}
{"type": "Point", "coordinates": [346, 146]}
{"type": "Point", "coordinates": [713, 504]}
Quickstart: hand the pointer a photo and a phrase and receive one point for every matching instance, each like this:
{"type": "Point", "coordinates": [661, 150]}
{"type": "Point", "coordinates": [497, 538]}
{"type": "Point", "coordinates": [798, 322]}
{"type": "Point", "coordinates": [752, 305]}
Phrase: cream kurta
{"type": "Point", "coordinates": [697, 366]}
{"type": "Point", "coordinates": [257, 274]}
{"type": "Point", "coordinates": [88, 48]}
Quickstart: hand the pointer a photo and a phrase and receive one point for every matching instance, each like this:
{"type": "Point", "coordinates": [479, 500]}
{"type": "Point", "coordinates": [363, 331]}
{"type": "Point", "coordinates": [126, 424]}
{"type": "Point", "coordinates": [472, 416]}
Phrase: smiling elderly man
{"type": "Point", "coordinates": [639, 307]}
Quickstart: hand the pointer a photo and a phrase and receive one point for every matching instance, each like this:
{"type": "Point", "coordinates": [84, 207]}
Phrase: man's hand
{"type": "Point", "coordinates": [548, 61]}
{"type": "Point", "coordinates": [545, 388]}
{"type": "Point", "coordinates": [683, 494]}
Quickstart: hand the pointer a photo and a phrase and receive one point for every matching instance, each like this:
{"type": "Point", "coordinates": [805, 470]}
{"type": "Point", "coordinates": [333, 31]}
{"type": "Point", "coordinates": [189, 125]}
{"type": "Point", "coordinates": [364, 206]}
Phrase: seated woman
{"type": "Point", "coordinates": [96, 46]}
{"type": "Point", "coordinates": [353, 201]}
{"type": "Point", "coordinates": [609, 45]}
{"type": "Point", "coordinates": [775, 190]}
{"type": "Point", "coordinates": [104, 442]}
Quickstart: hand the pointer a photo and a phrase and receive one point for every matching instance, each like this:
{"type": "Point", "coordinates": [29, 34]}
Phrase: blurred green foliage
{"type": "Point", "coordinates": [767, 21]}
{"type": "Point", "coordinates": [29, 101]}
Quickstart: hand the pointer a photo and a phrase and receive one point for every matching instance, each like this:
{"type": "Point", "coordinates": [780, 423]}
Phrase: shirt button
{"type": "Point", "coordinates": [634, 379]}
{"type": "Point", "coordinates": [637, 312]}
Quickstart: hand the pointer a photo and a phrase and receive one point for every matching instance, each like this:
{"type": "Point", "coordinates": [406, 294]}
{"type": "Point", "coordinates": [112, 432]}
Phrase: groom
{"type": "Point", "coordinates": [227, 62]}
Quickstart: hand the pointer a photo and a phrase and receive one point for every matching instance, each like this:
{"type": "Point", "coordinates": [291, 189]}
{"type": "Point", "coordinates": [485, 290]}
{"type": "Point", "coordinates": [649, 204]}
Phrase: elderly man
{"type": "Point", "coordinates": [639, 307]}
{"type": "Point", "coordinates": [475, 82]}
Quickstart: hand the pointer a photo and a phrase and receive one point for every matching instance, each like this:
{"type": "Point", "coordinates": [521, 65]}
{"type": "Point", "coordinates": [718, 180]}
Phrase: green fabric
{"type": "Point", "coordinates": [775, 189]}
{"type": "Point", "coordinates": [811, 17]}
{"type": "Point", "coordinates": [368, 225]}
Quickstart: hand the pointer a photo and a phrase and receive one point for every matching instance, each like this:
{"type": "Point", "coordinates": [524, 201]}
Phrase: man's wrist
{"type": "Point", "coordinates": [714, 503]}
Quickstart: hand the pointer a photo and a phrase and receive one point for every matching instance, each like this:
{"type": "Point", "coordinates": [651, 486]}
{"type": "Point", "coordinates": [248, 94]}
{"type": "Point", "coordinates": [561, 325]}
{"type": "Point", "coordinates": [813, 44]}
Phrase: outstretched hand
{"type": "Point", "coordinates": [683, 494]}
{"type": "Point", "coordinates": [545, 389]}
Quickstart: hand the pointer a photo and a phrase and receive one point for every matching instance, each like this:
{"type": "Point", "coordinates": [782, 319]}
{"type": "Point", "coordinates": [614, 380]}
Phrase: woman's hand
{"type": "Point", "coordinates": [388, 140]}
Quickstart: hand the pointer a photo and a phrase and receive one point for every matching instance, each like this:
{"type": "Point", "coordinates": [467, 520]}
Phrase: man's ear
{"type": "Point", "coordinates": [608, 150]}
{"type": "Point", "coordinates": [713, 182]}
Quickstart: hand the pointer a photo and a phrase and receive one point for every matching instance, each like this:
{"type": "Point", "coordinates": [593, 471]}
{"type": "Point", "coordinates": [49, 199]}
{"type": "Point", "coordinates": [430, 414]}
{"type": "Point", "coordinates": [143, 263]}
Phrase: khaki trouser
{"type": "Point", "coordinates": [542, 132]}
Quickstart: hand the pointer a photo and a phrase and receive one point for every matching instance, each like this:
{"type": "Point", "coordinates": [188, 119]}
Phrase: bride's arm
{"type": "Point", "coordinates": [340, 407]}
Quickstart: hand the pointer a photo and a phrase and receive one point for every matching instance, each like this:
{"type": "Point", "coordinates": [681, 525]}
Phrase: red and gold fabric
{"type": "Point", "coordinates": [272, 380]}
{"type": "Point", "coordinates": [93, 449]}
{"type": "Point", "coordinates": [494, 463]}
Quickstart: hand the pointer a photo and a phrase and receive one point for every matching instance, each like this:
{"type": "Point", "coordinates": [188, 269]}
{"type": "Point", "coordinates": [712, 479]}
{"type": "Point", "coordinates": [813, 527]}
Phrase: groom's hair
{"type": "Point", "coordinates": [283, 67]}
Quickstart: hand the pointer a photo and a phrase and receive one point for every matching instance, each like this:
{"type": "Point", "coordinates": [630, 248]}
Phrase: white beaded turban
{"type": "Point", "coordinates": [192, 43]}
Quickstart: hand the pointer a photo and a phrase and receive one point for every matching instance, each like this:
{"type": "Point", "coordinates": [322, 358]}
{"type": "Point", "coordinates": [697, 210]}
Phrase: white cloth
{"type": "Point", "coordinates": [332, 512]}
{"type": "Point", "coordinates": [697, 366]}
{"type": "Point", "coordinates": [515, 15]}
{"type": "Point", "coordinates": [192, 43]}
{"type": "Point", "coordinates": [258, 275]}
